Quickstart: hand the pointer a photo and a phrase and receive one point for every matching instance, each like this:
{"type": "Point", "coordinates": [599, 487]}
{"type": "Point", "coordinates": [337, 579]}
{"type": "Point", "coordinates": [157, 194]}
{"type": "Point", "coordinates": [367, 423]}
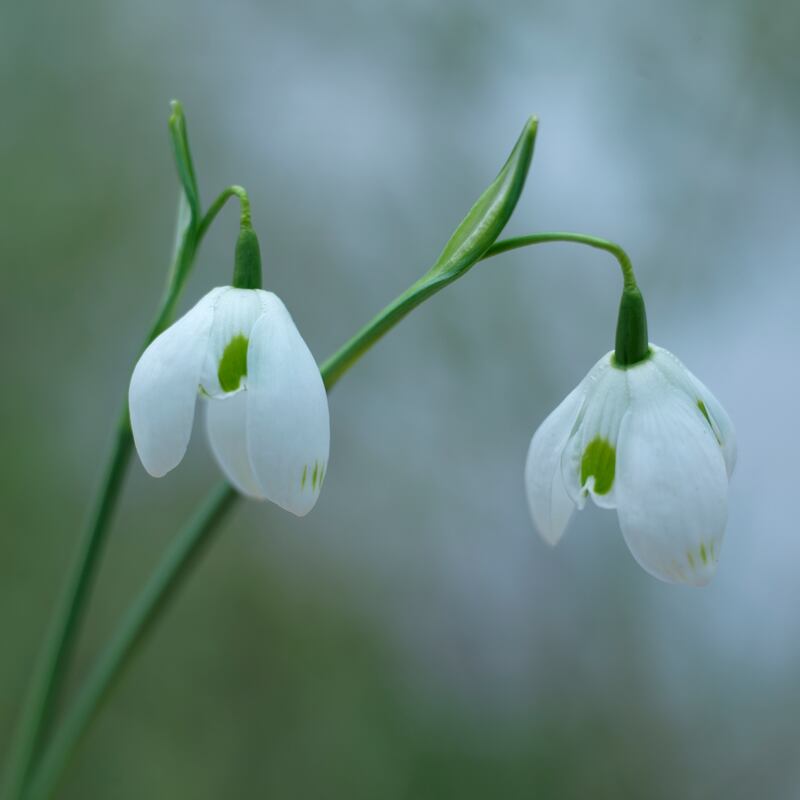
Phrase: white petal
{"type": "Point", "coordinates": [717, 417]}
{"type": "Point", "coordinates": [163, 388]}
{"type": "Point", "coordinates": [549, 503]}
{"type": "Point", "coordinates": [234, 316]}
{"type": "Point", "coordinates": [226, 423]}
{"type": "Point", "coordinates": [672, 486]}
{"type": "Point", "coordinates": [288, 428]}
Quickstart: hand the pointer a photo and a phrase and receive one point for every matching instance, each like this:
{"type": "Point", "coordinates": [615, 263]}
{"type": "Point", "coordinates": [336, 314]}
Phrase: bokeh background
{"type": "Point", "coordinates": [412, 638]}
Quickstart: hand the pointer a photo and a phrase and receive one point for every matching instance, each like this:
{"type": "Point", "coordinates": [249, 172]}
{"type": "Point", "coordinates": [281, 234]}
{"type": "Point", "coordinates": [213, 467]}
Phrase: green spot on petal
{"type": "Point", "coordinates": [703, 554]}
{"type": "Point", "coordinates": [315, 475]}
{"type": "Point", "coordinates": [599, 460]}
{"type": "Point", "coordinates": [303, 479]}
{"type": "Point", "coordinates": [233, 364]}
{"type": "Point", "coordinates": [704, 411]}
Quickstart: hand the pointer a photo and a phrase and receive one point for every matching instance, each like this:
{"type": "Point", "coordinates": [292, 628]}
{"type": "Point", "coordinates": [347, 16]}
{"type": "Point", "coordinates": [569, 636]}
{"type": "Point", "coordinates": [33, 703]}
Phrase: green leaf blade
{"type": "Point", "coordinates": [179, 139]}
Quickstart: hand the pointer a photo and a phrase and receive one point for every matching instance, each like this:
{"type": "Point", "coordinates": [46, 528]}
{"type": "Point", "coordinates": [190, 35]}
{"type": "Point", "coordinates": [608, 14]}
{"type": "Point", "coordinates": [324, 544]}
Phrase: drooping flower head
{"type": "Point", "coordinates": [267, 418]}
{"type": "Point", "coordinates": [642, 435]}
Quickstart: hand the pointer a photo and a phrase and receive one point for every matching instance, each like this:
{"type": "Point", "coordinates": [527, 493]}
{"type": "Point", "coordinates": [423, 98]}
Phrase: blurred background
{"type": "Point", "coordinates": [412, 638]}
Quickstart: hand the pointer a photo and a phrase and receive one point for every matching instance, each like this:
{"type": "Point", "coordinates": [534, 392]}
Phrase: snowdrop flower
{"type": "Point", "coordinates": [266, 405]}
{"type": "Point", "coordinates": [642, 435]}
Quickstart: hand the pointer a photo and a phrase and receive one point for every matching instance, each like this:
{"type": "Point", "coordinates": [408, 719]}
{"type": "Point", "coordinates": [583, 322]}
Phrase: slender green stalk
{"type": "Point", "coordinates": [216, 207]}
{"type": "Point", "coordinates": [632, 344]}
{"type": "Point", "coordinates": [57, 648]}
{"type": "Point", "coordinates": [380, 324]}
{"type": "Point", "coordinates": [173, 568]}
{"type": "Point", "coordinates": [52, 665]}
{"type": "Point", "coordinates": [176, 565]}
{"type": "Point", "coordinates": [629, 280]}
{"type": "Point", "coordinates": [386, 319]}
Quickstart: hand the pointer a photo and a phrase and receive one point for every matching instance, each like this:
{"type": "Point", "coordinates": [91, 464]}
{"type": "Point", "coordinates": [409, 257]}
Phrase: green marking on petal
{"type": "Point", "coordinates": [233, 364]}
{"type": "Point", "coordinates": [599, 460]}
{"type": "Point", "coordinates": [703, 554]}
{"type": "Point", "coordinates": [690, 559]}
{"type": "Point", "coordinates": [303, 479]}
{"type": "Point", "coordinates": [704, 411]}
{"type": "Point", "coordinates": [315, 475]}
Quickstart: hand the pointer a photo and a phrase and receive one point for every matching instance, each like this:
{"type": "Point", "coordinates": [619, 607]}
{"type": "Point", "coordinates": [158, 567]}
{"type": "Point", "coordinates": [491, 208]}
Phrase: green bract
{"type": "Point", "coordinates": [487, 218]}
{"type": "Point", "coordinates": [470, 242]}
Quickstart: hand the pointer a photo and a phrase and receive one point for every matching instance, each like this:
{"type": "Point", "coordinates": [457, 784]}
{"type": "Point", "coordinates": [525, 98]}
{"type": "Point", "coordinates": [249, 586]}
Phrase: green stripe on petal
{"type": "Point", "coordinates": [704, 411]}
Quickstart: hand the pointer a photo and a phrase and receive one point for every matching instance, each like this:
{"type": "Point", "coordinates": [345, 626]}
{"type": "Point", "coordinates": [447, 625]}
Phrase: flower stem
{"type": "Point", "coordinates": [629, 279]}
{"type": "Point", "coordinates": [386, 319]}
{"type": "Point", "coordinates": [216, 207]}
{"type": "Point", "coordinates": [176, 564]}
{"type": "Point", "coordinates": [59, 641]}
{"type": "Point", "coordinates": [48, 676]}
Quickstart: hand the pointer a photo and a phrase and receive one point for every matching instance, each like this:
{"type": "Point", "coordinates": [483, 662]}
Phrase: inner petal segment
{"type": "Point", "coordinates": [233, 364]}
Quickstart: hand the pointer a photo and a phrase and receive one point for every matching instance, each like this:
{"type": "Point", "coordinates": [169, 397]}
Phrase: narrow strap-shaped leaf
{"type": "Point", "coordinates": [183, 159]}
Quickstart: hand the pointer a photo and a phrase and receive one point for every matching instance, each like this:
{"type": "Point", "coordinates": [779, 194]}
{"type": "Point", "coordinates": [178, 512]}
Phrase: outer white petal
{"type": "Point", "coordinates": [549, 503]}
{"type": "Point", "coordinates": [288, 428]}
{"type": "Point", "coordinates": [672, 483]}
{"type": "Point", "coordinates": [163, 388]}
{"type": "Point", "coordinates": [606, 404]}
{"type": "Point", "coordinates": [235, 314]}
{"type": "Point", "coordinates": [226, 423]}
{"type": "Point", "coordinates": [718, 418]}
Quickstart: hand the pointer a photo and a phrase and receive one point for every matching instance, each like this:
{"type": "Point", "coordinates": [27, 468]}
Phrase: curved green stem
{"type": "Point", "coordinates": [631, 344]}
{"type": "Point", "coordinates": [57, 648]}
{"type": "Point", "coordinates": [216, 207]}
{"type": "Point", "coordinates": [176, 563]}
{"type": "Point", "coordinates": [175, 566]}
{"type": "Point", "coordinates": [629, 280]}
{"type": "Point", "coordinates": [351, 351]}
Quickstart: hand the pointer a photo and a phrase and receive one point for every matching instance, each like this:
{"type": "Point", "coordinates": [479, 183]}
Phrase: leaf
{"type": "Point", "coordinates": [183, 159]}
{"type": "Point", "coordinates": [487, 218]}
{"type": "Point", "coordinates": [183, 222]}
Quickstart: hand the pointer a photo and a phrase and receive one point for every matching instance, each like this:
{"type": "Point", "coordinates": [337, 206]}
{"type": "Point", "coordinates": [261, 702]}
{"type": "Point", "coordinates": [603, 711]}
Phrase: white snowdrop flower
{"type": "Point", "coordinates": [266, 405]}
{"type": "Point", "coordinates": [651, 441]}
{"type": "Point", "coordinates": [642, 435]}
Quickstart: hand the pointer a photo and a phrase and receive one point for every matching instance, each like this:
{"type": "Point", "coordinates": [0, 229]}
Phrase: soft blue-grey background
{"type": "Point", "coordinates": [411, 638]}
